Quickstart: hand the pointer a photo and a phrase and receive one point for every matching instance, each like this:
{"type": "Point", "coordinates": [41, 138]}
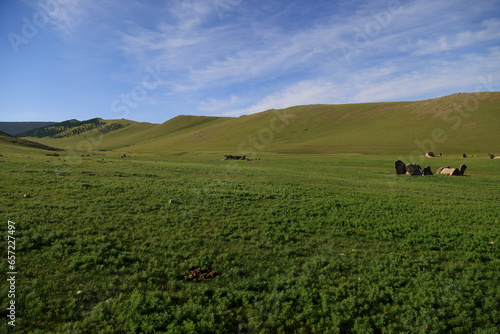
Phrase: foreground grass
{"type": "Point", "coordinates": [306, 244]}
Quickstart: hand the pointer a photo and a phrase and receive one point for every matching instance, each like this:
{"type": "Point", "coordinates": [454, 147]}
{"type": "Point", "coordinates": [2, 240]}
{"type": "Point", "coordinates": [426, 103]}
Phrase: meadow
{"type": "Point", "coordinates": [332, 243]}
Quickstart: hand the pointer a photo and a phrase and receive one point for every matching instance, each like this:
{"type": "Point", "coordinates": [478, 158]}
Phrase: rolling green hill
{"type": "Point", "coordinates": [457, 123]}
{"type": "Point", "coordinates": [12, 142]}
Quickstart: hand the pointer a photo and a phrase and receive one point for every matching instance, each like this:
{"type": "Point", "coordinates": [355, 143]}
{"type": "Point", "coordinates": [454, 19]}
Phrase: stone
{"type": "Point", "coordinates": [400, 167]}
{"type": "Point", "coordinates": [452, 171]}
{"type": "Point", "coordinates": [413, 169]}
{"type": "Point", "coordinates": [427, 170]}
{"type": "Point", "coordinates": [440, 169]}
{"type": "Point", "coordinates": [462, 170]}
{"type": "Point", "coordinates": [448, 171]}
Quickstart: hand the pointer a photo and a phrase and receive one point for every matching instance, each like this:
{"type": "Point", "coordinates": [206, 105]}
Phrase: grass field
{"type": "Point", "coordinates": [296, 243]}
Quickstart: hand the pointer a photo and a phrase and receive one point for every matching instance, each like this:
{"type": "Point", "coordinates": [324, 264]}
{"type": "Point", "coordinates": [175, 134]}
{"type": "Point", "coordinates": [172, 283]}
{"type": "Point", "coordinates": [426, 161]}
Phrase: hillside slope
{"type": "Point", "coordinates": [11, 141]}
{"type": "Point", "coordinates": [457, 123]}
{"type": "Point", "coordinates": [151, 135]}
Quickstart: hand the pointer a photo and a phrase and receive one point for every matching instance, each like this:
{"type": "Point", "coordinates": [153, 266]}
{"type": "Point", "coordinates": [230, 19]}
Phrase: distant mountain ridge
{"type": "Point", "coordinates": [16, 128]}
{"type": "Point", "coordinates": [456, 123]}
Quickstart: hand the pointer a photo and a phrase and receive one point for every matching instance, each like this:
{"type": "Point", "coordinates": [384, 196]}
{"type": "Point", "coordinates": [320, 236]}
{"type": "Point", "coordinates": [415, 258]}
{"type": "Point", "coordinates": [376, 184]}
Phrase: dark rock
{"type": "Point", "coordinates": [400, 167]}
{"type": "Point", "coordinates": [413, 169]}
{"type": "Point", "coordinates": [427, 170]}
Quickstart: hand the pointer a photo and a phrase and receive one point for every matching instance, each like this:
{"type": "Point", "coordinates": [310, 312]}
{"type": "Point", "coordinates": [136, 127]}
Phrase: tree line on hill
{"type": "Point", "coordinates": [73, 128]}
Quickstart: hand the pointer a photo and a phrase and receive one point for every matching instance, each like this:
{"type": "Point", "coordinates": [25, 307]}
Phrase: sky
{"type": "Point", "coordinates": [151, 60]}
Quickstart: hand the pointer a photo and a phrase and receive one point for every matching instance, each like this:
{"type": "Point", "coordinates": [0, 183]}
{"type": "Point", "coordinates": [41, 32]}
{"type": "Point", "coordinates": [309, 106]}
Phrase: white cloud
{"type": "Point", "coordinates": [277, 55]}
{"type": "Point", "coordinates": [489, 30]}
{"type": "Point", "coordinates": [304, 92]}
{"type": "Point", "coordinates": [214, 106]}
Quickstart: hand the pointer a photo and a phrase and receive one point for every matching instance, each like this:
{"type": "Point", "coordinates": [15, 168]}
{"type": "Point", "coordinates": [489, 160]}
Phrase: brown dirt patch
{"type": "Point", "coordinates": [198, 274]}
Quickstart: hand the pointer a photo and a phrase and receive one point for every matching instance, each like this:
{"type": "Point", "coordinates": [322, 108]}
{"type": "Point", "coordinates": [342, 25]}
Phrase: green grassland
{"type": "Point", "coordinates": [315, 234]}
{"type": "Point", "coordinates": [305, 243]}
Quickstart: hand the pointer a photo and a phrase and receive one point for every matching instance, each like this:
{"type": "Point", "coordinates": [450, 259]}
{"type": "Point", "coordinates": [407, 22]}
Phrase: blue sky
{"type": "Point", "coordinates": [153, 60]}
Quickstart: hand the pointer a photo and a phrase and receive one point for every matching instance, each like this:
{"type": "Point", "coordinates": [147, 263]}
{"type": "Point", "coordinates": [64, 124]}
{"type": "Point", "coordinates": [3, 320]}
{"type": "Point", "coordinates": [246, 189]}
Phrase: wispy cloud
{"type": "Point", "coordinates": [304, 92]}
{"type": "Point", "coordinates": [67, 15]}
{"type": "Point", "coordinates": [488, 30]}
{"type": "Point", "coordinates": [214, 106]}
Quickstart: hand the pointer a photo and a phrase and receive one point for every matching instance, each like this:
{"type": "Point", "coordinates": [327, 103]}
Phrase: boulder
{"type": "Point", "coordinates": [413, 169]}
{"type": "Point", "coordinates": [400, 167]}
{"type": "Point", "coordinates": [462, 170]}
{"type": "Point", "coordinates": [448, 171]}
{"type": "Point", "coordinates": [427, 170]}
{"type": "Point", "coordinates": [429, 155]}
{"type": "Point", "coordinates": [452, 171]}
{"type": "Point", "coordinates": [440, 169]}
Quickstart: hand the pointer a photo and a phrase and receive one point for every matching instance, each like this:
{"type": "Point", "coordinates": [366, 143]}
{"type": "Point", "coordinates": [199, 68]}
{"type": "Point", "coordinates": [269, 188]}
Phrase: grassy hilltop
{"type": "Point", "coordinates": [457, 123]}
